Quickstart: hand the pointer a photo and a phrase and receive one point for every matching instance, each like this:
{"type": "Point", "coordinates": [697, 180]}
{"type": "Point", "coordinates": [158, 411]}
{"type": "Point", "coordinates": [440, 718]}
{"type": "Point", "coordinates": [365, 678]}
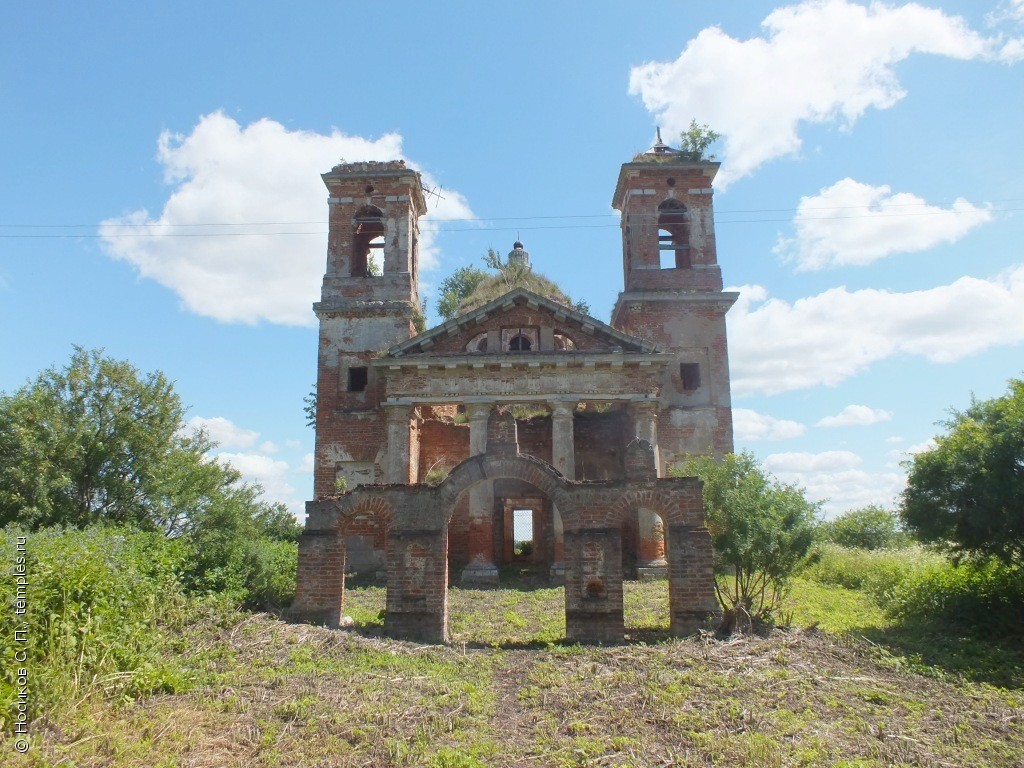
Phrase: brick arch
{"type": "Point", "coordinates": [528, 469]}
{"type": "Point", "coordinates": [670, 506]}
{"type": "Point", "coordinates": [361, 505]}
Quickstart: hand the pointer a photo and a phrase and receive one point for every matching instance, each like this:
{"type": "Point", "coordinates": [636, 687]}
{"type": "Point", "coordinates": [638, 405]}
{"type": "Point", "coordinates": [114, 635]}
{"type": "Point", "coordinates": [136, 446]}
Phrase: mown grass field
{"type": "Point", "coordinates": [843, 687]}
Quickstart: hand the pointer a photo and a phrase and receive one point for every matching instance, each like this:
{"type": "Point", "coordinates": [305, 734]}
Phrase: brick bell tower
{"type": "Point", "coordinates": [369, 299]}
{"type": "Point", "coordinates": [673, 296]}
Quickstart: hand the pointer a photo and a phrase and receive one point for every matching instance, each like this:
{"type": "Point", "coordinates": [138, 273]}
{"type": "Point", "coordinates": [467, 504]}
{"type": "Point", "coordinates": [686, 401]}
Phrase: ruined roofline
{"type": "Point", "coordinates": [378, 169]}
{"type": "Point", "coordinates": [659, 163]}
{"type": "Point", "coordinates": [588, 323]}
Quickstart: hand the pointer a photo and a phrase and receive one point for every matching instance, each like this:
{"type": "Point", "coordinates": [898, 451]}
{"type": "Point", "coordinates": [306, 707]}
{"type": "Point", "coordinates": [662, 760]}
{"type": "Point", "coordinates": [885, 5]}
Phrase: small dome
{"type": "Point", "coordinates": [518, 255]}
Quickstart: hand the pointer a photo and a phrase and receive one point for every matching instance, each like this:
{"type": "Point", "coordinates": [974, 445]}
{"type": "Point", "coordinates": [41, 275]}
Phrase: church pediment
{"type": "Point", "coordinates": [517, 322]}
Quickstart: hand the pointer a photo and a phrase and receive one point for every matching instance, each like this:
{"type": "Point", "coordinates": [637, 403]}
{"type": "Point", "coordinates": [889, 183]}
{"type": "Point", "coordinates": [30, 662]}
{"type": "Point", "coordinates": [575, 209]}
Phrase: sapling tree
{"type": "Point", "coordinates": [761, 531]}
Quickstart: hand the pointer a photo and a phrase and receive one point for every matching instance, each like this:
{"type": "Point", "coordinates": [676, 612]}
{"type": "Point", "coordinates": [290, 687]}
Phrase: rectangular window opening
{"type": "Point", "coordinates": [357, 379]}
{"type": "Point", "coordinates": [522, 532]}
{"type": "Point", "coordinates": [689, 373]}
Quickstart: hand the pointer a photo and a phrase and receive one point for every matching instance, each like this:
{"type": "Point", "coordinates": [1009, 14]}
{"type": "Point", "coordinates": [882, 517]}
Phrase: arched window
{"type": "Point", "coordinates": [520, 343]}
{"type": "Point", "coordinates": [368, 242]}
{"type": "Point", "coordinates": [563, 343]}
{"type": "Point", "coordinates": [673, 234]}
{"type": "Point", "coordinates": [478, 343]}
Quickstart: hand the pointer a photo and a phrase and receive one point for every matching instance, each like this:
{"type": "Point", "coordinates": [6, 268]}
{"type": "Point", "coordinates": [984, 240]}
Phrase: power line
{"type": "Point", "coordinates": [322, 233]}
{"type": "Point", "coordinates": [720, 212]}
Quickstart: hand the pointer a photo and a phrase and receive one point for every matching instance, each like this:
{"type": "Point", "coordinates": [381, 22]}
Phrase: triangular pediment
{"type": "Point", "coordinates": [521, 312]}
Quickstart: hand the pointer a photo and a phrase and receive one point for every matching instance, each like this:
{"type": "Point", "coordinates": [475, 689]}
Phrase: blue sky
{"type": "Point", "coordinates": [161, 198]}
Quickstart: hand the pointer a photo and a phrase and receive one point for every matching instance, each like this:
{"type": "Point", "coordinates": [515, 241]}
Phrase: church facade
{"type": "Point", "coordinates": [520, 414]}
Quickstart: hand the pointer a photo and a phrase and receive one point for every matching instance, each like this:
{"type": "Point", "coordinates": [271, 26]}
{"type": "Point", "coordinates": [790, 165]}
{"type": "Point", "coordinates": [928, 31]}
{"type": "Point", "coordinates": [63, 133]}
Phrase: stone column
{"type": "Point", "coordinates": [481, 567]}
{"type": "Point", "coordinates": [397, 470]}
{"type": "Point", "coordinates": [563, 456]}
{"type": "Point", "coordinates": [650, 545]}
{"type": "Point", "coordinates": [563, 451]}
{"type": "Point", "coordinates": [645, 425]}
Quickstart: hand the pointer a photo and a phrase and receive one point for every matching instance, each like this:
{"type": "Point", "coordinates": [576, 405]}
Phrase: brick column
{"type": "Point", "coordinates": [593, 586]}
{"type": "Point", "coordinates": [645, 426]}
{"type": "Point", "coordinates": [320, 579]}
{"type": "Point", "coordinates": [481, 567]}
{"type": "Point", "coordinates": [691, 588]}
{"type": "Point", "coordinates": [563, 452]}
{"type": "Point", "coordinates": [563, 456]}
{"type": "Point", "coordinates": [397, 470]}
{"type": "Point", "coordinates": [650, 545]}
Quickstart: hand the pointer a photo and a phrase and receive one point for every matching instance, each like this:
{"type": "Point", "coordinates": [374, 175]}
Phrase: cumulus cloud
{"type": "Point", "coordinates": [224, 432]}
{"type": "Point", "coordinates": [777, 346]}
{"type": "Point", "coordinates": [856, 416]}
{"type": "Point", "coordinates": [307, 465]}
{"type": "Point", "coordinates": [751, 425]}
{"type": "Point", "coordinates": [270, 473]}
{"type": "Point", "coordinates": [851, 223]}
{"type": "Point", "coordinates": [819, 61]}
{"type": "Point", "coordinates": [260, 185]}
{"type": "Point", "coordinates": [836, 478]}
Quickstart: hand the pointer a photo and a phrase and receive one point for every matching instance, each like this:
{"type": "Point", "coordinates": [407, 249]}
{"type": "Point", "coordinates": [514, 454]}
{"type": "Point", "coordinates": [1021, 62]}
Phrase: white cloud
{"type": "Point", "coordinates": [894, 440]}
{"type": "Point", "coordinates": [777, 346]}
{"type": "Point", "coordinates": [270, 473]}
{"type": "Point", "coordinates": [307, 464]}
{"type": "Point", "coordinates": [927, 445]}
{"type": "Point", "coordinates": [820, 61]}
{"type": "Point", "coordinates": [851, 223]}
{"type": "Point", "coordinates": [224, 432]}
{"type": "Point", "coordinates": [245, 178]}
{"type": "Point", "coordinates": [856, 416]}
{"type": "Point", "coordinates": [751, 425]}
{"type": "Point", "coordinates": [837, 478]}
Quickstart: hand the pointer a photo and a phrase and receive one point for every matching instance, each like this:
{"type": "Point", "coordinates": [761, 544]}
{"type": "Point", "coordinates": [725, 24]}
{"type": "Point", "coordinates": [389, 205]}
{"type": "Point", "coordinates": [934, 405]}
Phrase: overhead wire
{"type": "Point", "coordinates": [721, 218]}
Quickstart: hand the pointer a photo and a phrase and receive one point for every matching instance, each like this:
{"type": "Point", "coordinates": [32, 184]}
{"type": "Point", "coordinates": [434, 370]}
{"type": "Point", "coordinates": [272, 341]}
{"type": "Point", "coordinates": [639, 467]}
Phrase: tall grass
{"type": "Point", "coordinates": [99, 604]}
{"type": "Point", "coordinates": [921, 586]}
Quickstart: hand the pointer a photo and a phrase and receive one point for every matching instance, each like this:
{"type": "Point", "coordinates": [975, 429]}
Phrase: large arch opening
{"type": "Point", "coordinates": [368, 242]}
{"type": "Point", "coordinates": [482, 499]}
{"type": "Point", "coordinates": [673, 235]}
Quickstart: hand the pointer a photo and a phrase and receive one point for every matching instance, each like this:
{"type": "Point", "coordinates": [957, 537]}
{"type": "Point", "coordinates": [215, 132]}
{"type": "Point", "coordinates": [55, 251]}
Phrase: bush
{"type": "Point", "coordinates": [761, 531]}
{"type": "Point", "coordinates": [878, 572]}
{"type": "Point", "coordinates": [919, 586]}
{"type": "Point", "coordinates": [869, 528]}
{"type": "Point", "coordinates": [98, 603]}
{"type": "Point", "coordinates": [981, 598]}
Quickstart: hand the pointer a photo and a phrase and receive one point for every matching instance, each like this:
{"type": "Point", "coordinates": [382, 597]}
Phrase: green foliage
{"type": "Point", "coordinates": [97, 442]}
{"type": "Point", "coordinates": [309, 406]}
{"type": "Point", "coordinates": [871, 527]}
{"type": "Point", "coordinates": [965, 494]}
{"type": "Point", "coordinates": [99, 602]}
{"type": "Point", "coordinates": [469, 287]}
{"type": "Point", "coordinates": [696, 140]}
{"type": "Point", "coordinates": [922, 587]}
{"type": "Point", "coordinates": [984, 598]}
{"type": "Point", "coordinates": [761, 531]}
{"type": "Point", "coordinates": [456, 287]}
{"type": "Point", "coordinates": [881, 573]}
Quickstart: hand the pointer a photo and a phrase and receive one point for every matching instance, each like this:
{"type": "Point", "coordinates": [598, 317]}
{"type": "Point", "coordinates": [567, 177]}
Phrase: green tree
{"type": "Point", "coordinates": [871, 527]}
{"type": "Point", "coordinates": [761, 531]}
{"type": "Point", "coordinates": [98, 442]}
{"type": "Point", "coordinates": [966, 493]}
{"type": "Point", "coordinates": [505, 277]}
{"type": "Point", "coordinates": [696, 140]}
{"type": "Point", "coordinates": [456, 287]}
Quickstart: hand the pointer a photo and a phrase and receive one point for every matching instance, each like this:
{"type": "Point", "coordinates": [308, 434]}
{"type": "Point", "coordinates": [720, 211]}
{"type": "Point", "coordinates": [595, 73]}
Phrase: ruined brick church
{"type": "Point", "coordinates": [431, 445]}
